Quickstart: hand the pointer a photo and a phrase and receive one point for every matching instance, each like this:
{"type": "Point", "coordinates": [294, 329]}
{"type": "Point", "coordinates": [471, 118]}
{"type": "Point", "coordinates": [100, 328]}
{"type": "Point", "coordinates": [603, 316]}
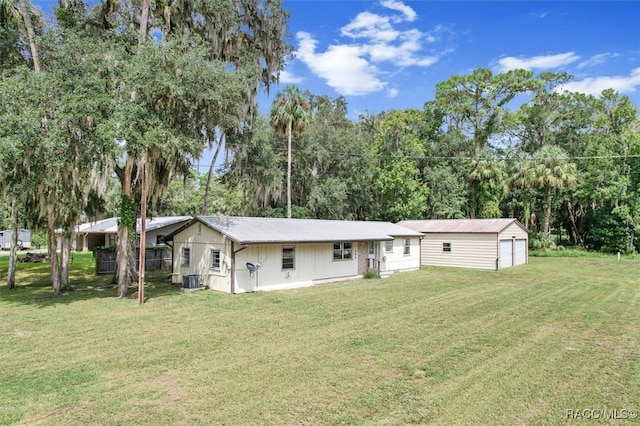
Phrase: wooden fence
{"type": "Point", "coordinates": [155, 259]}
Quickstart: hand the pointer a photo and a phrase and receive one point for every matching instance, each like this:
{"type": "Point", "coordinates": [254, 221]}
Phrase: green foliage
{"type": "Point", "coordinates": [538, 241]}
{"type": "Point", "coordinates": [128, 212]}
{"type": "Point", "coordinates": [399, 190]}
{"type": "Point", "coordinates": [608, 232]}
{"type": "Point", "coordinates": [297, 212]}
{"type": "Point", "coordinates": [371, 274]}
{"type": "Point", "coordinates": [38, 239]}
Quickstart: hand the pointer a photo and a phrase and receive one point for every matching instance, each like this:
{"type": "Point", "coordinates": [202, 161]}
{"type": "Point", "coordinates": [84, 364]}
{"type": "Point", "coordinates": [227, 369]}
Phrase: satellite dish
{"type": "Point", "coordinates": [251, 267]}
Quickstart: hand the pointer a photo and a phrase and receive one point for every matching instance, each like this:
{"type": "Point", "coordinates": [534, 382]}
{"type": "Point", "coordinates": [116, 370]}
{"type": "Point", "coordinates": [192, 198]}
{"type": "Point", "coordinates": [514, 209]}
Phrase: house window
{"type": "Point", "coordinates": [288, 257]}
{"type": "Point", "coordinates": [446, 247]}
{"type": "Point", "coordinates": [388, 246]}
{"type": "Point", "coordinates": [112, 239]}
{"type": "Point", "coordinates": [342, 251]}
{"type": "Point", "coordinates": [214, 262]}
{"type": "Point", "coordinates": [186, 256]}
{"type": "Point", "coordinates": [159, 239]}
{"type": "Point", "coordinates": [407, 246]}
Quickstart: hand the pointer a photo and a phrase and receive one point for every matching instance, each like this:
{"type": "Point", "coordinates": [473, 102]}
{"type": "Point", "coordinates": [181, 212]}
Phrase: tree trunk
{"type": "Point", "coordinates": [126, 271]}
{"type": "Point", "coordinates": [144, 21]}
{"type": "Point", "coordinates": [65, 260]}
{"type": "Point", "coordinates": [53, 252]}
{"type": "Point", "coordinates": [13, 250]}
{"type": "Point", "coordinates": [207, 189]}
{"type": "Point", "coordinates": [473, 199]}
{"type": "Point", "coordinates": [26, 16]}
{"type": "Point", "coordinates": [122, 244]}
{"type": "Point", "coordinates": [289, 130]}
{"type": "Point", "coordinates": [547, 219]}
{"type": "Point", "coordinates": [574, 229]}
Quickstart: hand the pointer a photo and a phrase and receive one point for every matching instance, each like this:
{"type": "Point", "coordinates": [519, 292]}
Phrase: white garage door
{"type": "Point", "coordinates": [506, 253]}
{"type": "Point", "coordinates": [521, 252]}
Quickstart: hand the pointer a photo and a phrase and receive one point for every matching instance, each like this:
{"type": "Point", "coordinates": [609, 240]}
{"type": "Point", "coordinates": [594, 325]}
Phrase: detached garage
{"type": "Point", "coordinates": [472, 243]}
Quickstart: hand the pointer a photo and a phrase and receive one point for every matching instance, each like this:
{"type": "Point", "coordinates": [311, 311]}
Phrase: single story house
{"type": "Point", "coordinates": [105, 231]}
{"type": "Point", "coordinates": [6, 239]}
{"type": "Point", "coordinates": [246, 254]}
{"type": "Point", "coordinates": [472, 243]}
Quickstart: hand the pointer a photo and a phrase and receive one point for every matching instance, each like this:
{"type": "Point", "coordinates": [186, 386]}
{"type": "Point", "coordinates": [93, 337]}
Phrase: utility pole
{"type": "Point", "coordinates": [143, 235]}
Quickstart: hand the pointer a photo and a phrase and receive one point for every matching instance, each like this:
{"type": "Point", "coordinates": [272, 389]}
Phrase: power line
{"type": "Point", "coordinates": [446, 158]}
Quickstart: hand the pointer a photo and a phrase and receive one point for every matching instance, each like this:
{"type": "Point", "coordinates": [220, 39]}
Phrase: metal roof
{"type": "Point", "coordinates": [253, 230]}
{"type": "Point", "coordinates": [110, 225]}
{"type": "Point", "coordinates": [489, 226]}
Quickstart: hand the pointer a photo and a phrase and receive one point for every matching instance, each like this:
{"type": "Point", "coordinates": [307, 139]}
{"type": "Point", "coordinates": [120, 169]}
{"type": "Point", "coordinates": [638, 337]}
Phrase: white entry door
{"type": "Point", "coordinates": [506, 253]}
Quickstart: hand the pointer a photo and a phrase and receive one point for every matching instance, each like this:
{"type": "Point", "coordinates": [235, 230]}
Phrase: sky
{"type": "Point", "coordinates": [391, 54]}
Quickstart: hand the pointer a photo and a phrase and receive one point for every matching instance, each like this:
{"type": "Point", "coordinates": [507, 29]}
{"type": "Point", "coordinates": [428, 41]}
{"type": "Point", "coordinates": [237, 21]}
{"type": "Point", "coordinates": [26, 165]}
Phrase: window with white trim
{"type": "Point", "coordinates": [288, 258]}
{"type": "Point", "coordinates": [388, 246]}
{"type": "Point", "coordinates": [185, 257]}
{"type": "Point", "coordinates": [407, 246]}
{"type": "Point", "coordinates": [214, 259]}
{"type": "Point", "coordinates": [446, 247]}
{"type": "Point", "coordinates": [342, 251]}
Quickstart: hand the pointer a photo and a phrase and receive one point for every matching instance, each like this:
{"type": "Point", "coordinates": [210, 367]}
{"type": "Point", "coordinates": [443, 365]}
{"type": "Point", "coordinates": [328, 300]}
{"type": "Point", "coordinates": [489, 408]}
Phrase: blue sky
{"type": "Point", "coordinates": [390, 54]}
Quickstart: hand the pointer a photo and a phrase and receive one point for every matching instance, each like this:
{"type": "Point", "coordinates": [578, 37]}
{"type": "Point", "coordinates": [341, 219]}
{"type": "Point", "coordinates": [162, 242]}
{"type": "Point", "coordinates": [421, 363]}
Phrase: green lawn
{"type": "Point", "coordinates": [437, 346]}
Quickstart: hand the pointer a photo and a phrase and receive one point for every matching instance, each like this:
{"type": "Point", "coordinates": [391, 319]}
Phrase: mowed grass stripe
{"type": "Point", "coordinates": [437, 346]}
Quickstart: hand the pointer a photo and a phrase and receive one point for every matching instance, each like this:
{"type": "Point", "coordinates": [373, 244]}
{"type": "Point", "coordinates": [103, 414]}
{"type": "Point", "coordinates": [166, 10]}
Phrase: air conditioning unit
{"type": "Point", "coordinates": [191, 282]}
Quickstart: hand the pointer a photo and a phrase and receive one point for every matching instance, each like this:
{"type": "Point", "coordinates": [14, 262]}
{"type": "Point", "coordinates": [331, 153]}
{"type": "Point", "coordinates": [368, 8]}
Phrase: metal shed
{"type": "Point", "coordinates": [24, 239]}
{"type": "Point", "coordinates": [472, 243]}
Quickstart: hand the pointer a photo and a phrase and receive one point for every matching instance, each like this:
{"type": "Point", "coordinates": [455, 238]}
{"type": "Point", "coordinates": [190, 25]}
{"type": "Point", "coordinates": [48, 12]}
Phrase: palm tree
{"type": "Point", "coordinates": [488, 176]}
{"type": "Point", "coordinates": [549, 171]}
{"type": "Point", "coordinates": [290, 113]}
{"type": "Point", "coordinates": [26, 10]}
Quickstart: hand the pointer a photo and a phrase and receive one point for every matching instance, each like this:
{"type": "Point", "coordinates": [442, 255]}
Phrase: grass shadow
{"type": "Point", "coordinates": [33, 283]}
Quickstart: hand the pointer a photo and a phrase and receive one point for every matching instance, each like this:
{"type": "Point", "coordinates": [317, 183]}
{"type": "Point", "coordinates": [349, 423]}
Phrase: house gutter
{"type": "Point", "coordinates": [233, 265]}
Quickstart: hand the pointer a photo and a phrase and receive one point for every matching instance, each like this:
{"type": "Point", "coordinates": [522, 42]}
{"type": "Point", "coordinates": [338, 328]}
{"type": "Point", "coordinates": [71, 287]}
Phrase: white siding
{"type": "Point", "coordinates": [513, 231]}
{"type": "Point", "coordinates": [151, 239]}
{"type": "Point", "coordinates": [313, 263]}
{"type": "Point", "coordinates": [200, 239]}
{"type": "Point", "coordinates": [398, 261]}
{"type": "Point", "coordinates": [468, 250]}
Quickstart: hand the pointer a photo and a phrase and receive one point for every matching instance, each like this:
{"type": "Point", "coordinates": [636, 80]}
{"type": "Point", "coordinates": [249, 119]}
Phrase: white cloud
{"type": "Point", "coordinates": [369, 25]}
{"type": "Point", "coordinates": [341, 66]}
{"type": "Point", "coordinates": [597, 60]}
{"type": "Point", "coordinates": [409, 14]}
{"type": "Point", "coordinates": [384, 45]}
{"type": "Point", "coordinates": [287, 77]}
{"type": "Point", "coordinates": [595, 85]}
{"type": "Point", "coordinates": [536, 62]}
{"type": "Point", "coordinates": [392, 93]}
{"type": "Point", "coordinates": [539, 14]}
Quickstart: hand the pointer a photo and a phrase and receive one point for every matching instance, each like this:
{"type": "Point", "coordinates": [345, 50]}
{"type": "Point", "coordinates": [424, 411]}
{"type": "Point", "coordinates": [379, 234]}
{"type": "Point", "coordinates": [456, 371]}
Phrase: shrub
{"type": "Point", "coordinates": [371, 274]}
